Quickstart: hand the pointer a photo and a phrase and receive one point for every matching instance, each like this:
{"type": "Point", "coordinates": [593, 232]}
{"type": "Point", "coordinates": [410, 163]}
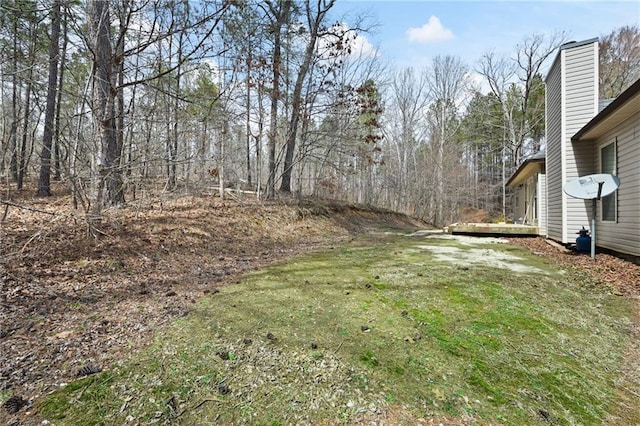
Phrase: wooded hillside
{"type": "Point", "coordinates": [273, 97]}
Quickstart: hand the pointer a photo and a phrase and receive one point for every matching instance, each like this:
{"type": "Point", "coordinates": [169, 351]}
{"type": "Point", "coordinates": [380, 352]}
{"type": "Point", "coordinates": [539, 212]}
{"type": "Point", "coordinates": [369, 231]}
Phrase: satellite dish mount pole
{"type": "Point", "coordinates": [584, 188]}
{"type": "Point", "coordinates": [594, 211]}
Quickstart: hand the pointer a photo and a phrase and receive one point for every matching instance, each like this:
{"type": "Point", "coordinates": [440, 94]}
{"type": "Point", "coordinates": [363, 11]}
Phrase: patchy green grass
{"type": "Point", "coordinates": [418, 323]}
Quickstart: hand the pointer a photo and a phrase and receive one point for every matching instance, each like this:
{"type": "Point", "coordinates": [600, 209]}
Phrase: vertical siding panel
{"type": "Point", "coordinates": [581, 105]}
{"type": "Point", "coordinates": [572, 100]}
{"type": "Point", "coordinates": [624, 234]}
{"type": "Point", "coordinates": [542, 204]}
{"type": "Point", "coordinates": [553, 125]}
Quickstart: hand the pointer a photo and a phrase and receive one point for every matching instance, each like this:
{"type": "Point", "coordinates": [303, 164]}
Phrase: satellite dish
{"type": "Point", "coordinates": [587, 187]}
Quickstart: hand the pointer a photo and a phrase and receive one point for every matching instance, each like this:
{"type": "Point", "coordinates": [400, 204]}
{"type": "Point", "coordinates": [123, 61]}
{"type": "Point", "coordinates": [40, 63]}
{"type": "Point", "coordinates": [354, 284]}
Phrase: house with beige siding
{"type": "Point", "coordinates": [581, 139]}
{"type": "Point", "coordinates": [613, 137]}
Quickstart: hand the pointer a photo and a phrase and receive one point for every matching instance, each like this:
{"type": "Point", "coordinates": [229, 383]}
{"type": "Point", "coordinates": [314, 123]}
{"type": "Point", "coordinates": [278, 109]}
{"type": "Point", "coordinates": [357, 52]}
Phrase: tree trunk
{"type": "Point", "coordinates": [176, 112]}
{"type": "Point", "coordinates": [119, 77]}
{"type": "Point", "coordinates": [44, 183]}
{"type": "Point", "coordinates": [258, 143]}
{"type": "Point", "coordinates": [315, 24]}
{"type": "Point", "coordinates": [22, 154]}
{"type": "Point", "coordinates": [248, 118]}
{"type": "Point", "coordinates": [13, 132]}
{"type": "Point", "coordinates": [61, 64]}
{"type": "Point", "coordinates": [109, 188]}
{"type": "Point", "coordinates": [281, 17]}
{"type": "Point", "coordinates": [221, 169]}
{"type": "Point", "coordinates": [127, 151]}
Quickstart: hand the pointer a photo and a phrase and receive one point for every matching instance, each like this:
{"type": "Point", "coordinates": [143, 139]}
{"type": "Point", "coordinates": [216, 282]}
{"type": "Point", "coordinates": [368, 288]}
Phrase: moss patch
{"type": "Point", "coordinates": [336, 335]}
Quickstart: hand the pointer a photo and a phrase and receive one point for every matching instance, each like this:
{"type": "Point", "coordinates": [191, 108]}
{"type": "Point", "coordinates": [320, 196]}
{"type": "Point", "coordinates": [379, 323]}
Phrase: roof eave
{"type": "Point", "coordinates": [597, 125]}
{"type": "Point", "coordinates": [521, 174]}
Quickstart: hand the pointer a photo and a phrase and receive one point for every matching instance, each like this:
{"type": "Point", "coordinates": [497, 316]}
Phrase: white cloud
{"type": "Point", "coordinates": [358, 45]}
{"type": "Point", "coordinates": [431, 32]}
{"type": "Point", "coordinates": [479, 82]}
{"type": "Point", "coordinates": [361, 47]}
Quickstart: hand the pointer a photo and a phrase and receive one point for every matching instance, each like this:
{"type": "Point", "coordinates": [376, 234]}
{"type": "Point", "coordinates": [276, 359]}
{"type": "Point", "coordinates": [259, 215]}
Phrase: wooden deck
{"type": "Point", "coordinates": [493, 229]}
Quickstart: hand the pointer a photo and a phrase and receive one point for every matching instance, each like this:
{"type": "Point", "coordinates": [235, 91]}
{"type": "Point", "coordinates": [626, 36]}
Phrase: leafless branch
{"type": "Point", "coordinates": [33, 209]}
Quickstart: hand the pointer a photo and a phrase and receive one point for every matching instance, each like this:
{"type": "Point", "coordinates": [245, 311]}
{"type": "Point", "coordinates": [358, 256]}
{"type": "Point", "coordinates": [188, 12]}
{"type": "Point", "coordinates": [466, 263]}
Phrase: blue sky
{"type": "Point", "coordinates": [410, 33]}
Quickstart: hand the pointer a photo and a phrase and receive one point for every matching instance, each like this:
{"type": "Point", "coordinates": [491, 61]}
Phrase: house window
{"type": "Point", "coordinates": [608, 165]}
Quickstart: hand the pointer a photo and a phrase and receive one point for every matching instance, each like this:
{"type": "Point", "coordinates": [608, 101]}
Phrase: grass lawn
{"type": "Point", "coordinates": [429, 327]}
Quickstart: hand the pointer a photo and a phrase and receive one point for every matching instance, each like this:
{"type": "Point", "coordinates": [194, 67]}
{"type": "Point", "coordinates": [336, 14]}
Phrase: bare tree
{"type": "Point", "coordinates": [23, 152]}
{"type": "Point", "coordinates": [20, 62]}
{"type": "Point", "coordinates": [44, 184]}
{"type": "Point", "coordinates": [315, 22]}
{"type": "Point", "coordinates": [619, 60]}
{"type": "Point", "coordinates": [408, 98]}
{"type": "Point", "coordinates": [448, 83]}
{"type": "Point", "coordinates": [15, 93]}
{"type": "Point", "coordinates": [57, 149]}
{"type": "Point", "coordinates": [513, 81]}
{"type": "Point", "coordinates": [243, 30]}
{"type": "Point", "coordinates": [279, 12]}
{"type": "Point", "coordinates": [483, 138]}
{"type": "Point", "coordinates": [332, 155]}
{"type": "Point", "coordinates": [109, 189]}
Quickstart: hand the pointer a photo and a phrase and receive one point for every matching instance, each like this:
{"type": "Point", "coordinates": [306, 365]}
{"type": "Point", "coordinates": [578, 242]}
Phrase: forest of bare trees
{"type": "Point", "coordinates": [118, 98]}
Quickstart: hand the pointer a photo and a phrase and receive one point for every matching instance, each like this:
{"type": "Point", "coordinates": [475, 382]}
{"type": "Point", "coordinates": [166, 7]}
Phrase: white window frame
{"type": "Point", "coordinates": [614, 195]}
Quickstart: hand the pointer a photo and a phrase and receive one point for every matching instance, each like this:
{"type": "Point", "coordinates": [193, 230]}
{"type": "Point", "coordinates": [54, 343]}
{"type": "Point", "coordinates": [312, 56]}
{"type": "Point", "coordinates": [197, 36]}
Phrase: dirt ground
{"type": "Point", "coordinates": [622, 276]}
{"type": "Point", "coordinates": [71, 303]}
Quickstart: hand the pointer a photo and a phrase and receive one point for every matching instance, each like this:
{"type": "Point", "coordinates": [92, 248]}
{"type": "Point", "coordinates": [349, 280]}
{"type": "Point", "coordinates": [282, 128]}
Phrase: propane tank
{"type": "Point", "coordinates": [583, 242]}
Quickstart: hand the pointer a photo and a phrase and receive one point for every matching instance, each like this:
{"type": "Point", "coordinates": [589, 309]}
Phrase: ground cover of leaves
{"type": "Point", "coordinates": [70, 305]}
{"type": "Point", "coordinates": [621, 275]}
